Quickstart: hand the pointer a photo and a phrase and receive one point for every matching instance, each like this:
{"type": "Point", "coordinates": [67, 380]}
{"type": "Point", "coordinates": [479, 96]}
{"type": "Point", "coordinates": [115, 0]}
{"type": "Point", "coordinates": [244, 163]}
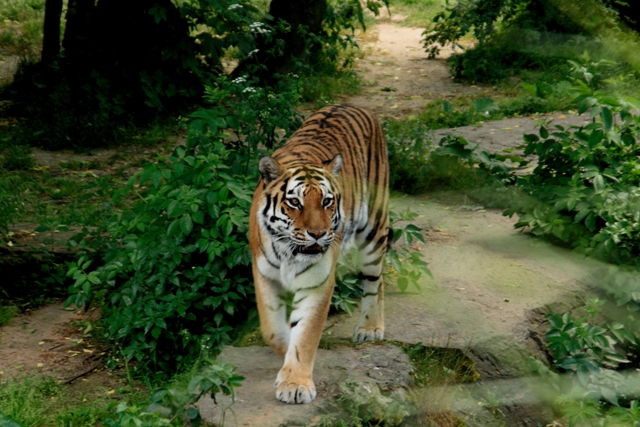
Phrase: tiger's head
{"type": "Point", "coordinates": [301, 207]}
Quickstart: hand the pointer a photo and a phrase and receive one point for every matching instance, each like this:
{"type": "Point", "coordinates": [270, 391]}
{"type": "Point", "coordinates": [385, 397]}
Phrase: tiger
{"type": "Point", "coordinates": [324, 191]}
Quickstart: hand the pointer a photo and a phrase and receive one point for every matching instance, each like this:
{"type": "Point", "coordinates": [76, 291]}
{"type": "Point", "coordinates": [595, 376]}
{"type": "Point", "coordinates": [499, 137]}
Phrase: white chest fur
{"type": "Point", "coordinates": [295, 275]}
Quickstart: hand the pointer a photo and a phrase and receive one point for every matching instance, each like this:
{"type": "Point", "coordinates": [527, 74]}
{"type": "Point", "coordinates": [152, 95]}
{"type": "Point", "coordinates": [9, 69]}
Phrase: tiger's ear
{"type": "Point", "coordinates": [335, 165]}
{"type": "Point", "coordinates": [269, 169]}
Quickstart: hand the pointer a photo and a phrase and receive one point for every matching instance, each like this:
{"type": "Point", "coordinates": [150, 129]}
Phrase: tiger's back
{"type": "Point", "coordinates": [323, 191]}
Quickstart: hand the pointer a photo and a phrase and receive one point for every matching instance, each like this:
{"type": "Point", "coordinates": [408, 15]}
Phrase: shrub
{"type": "Point", "coordinates": [417, 164]}
{"type": "Point", "coordinates": [175, 275]}
{"type": "Point", "coordinates": [518, 34]}
{"type": "Point", "coordinates": [587, 178]}
{"type": "Point", "coordinates": [408, 152]}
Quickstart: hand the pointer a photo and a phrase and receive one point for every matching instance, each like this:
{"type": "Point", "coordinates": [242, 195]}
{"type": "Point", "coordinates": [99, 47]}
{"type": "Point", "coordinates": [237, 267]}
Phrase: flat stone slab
{"type": "Point", "coordinates": [372, 370]}
{"type": "Point", "coordinates": [496, 135]}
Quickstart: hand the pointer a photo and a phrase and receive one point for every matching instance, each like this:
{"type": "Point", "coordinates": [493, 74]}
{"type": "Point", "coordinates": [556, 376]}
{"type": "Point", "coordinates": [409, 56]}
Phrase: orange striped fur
{"type": "Point", "coordinates": [324, 191]}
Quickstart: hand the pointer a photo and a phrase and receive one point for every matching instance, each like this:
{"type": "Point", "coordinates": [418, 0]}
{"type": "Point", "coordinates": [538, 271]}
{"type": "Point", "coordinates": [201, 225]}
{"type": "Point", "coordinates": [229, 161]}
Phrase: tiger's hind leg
{"type": "Point", "coordinates": [372, 246]}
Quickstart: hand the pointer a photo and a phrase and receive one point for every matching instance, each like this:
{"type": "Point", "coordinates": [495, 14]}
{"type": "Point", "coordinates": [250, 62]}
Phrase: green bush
{"type": "Point", "coordinates": [519, 34]}
{"type": "Point", "coordinates": [175, 277]}
{"type": "Point", "coordinates": [587, 178]}
{"type": "Point", "coordinates": [417, 164]}
{"type": "Point", "coordinates": [262, 116]}
{"type": "Point", "coordinates": [592, 390]}
{"type": "Point", "coordinates": [408, 151]}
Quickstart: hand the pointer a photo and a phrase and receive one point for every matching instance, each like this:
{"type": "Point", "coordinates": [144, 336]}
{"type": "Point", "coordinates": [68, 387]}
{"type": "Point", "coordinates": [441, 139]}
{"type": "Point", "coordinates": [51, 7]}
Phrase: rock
{"type": "Point", "coordinates": [371, 379]}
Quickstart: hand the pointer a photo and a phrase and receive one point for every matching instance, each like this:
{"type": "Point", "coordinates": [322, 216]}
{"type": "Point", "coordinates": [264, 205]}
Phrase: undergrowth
{"type": "Point", "coordinates": [583, 193]}
{"type": "Point", "coordinates": [417, 13]}
{"type": "Point", "coordinates": [21, 28]}
{"type": "Point", "coordinates": [30, 401]}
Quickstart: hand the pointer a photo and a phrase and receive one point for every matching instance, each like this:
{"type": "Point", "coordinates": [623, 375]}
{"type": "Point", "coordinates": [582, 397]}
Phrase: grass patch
{"type": "Point", "coordinates": [417, 13]}
{"type": "Point", "coordinates": [7, 312]}
{"type": "Point", "coordinates": [21, 24]}
{"type": "Point", "coordinates": [35, 402]}
{"type": "Point", "coordinates": [440, 366]}
{"type": "Point", "coordinates": [436, 368]}
{"type": "Point", "coordinates": [511, 101]}
{"type": "Point", "coordinates": [330, 83]}
{"type": "Point", "coordinates": [73, 192]}
{"type": "Point", "coordinates": [418, 164]}
{"type": "Point", "coordinates": [72, 199]}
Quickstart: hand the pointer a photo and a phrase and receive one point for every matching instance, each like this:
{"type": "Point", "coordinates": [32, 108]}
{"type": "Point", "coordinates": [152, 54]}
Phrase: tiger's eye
{"type": "Point", "coordinates": [327, 202]}
{"type": "Point", "coordinates": [294, 202]}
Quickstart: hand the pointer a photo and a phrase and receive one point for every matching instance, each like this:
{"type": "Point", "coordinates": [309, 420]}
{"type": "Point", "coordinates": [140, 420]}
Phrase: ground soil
{"type": "Point", "coordinates": [399, 78]}
{"type": "Point", "coordinates": [51, 341]}
{"type": "Point", "coordinates": [490, 283]}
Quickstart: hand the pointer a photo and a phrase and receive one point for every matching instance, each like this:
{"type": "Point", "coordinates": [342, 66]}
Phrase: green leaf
{"type": "Point", "coordinates": [171, 208]}
{"type": "Point", "coordinates": [607, 119]}
{"type": "Point", "coordinates": [586, 103]}
{"type": "Point", "coordinates": [174, 227]}
{"type": "Point", "coordinates": [156, 178]}
{"type": "Point", "coordinates": [228, 228]}
{"type": "Point", "coordinates": [590, 222]}
{"type": "Point", "coordinates": [403, 283]}
{"type": "Point", "coordinates": [239, 191]}
{"type": "Point", "coordinates": [598, 183]}
{"type": "Point", "coordinates": [155, 332]}
{"type": "Point", "coordinates": [186, 224]}
{"type": "Point", "coordinates": [581, 214]}
{"type": "Point", "coordinates": [544, 133]}
{"type": "Point", "coordinates": [193, 413]}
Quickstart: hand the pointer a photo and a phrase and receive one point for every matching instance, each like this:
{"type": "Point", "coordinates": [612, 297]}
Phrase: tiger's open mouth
{"type": "Point", "coordinates": [309, 250]}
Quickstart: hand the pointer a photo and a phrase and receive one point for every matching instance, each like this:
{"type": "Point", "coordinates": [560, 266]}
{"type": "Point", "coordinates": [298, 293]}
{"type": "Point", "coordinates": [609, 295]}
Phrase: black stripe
{"type": "Point", "coordinates": [265, 253]}
{"type": "Point", "coordinates": [300, 300]}
{"type": "Point", "coordinates": [376, 262]}
{"type": "Point", "coordinates": [318, 285]}
{"type": "Point", "coordinates": [381, 241]}
{"type": "Point", "coordinates": [305, 269]}
{"type": "Point", "coordinates": [267, 206]}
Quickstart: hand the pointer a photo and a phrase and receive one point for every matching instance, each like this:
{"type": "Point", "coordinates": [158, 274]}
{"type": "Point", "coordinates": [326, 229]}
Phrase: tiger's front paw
{"type": "Point", "coordinates": [295, 390]}
{"type": "Point", "coordinates": [364, 334]}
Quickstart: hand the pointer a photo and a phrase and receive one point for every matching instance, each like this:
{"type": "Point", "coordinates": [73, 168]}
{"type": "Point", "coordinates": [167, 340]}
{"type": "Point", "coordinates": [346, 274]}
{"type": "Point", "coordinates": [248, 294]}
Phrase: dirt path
{"type": "Point", "coordinates": [48, 341]}
{"type": "Point", "coordinates": [399, 79]}
{"type": "Point", "coordinates": [54, 342]}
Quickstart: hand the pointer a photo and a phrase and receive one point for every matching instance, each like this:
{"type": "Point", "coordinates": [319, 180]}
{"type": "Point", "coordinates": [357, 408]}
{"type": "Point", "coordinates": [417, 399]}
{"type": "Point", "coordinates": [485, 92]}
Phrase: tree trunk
{"type": "Point", "coordinates": [51, 30]}
{"type": "Point", "coordinates": [78, 26]}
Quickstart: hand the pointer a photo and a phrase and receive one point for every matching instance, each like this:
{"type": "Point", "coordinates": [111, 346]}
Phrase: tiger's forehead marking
{"type": "Point", "coordinates": [305, 178]}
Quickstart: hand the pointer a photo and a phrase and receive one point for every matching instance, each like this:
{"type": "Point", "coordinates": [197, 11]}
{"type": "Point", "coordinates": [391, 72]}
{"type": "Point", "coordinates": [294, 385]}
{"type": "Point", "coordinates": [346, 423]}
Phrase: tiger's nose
{"type": "Point", "coordinates": [316, 234]}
